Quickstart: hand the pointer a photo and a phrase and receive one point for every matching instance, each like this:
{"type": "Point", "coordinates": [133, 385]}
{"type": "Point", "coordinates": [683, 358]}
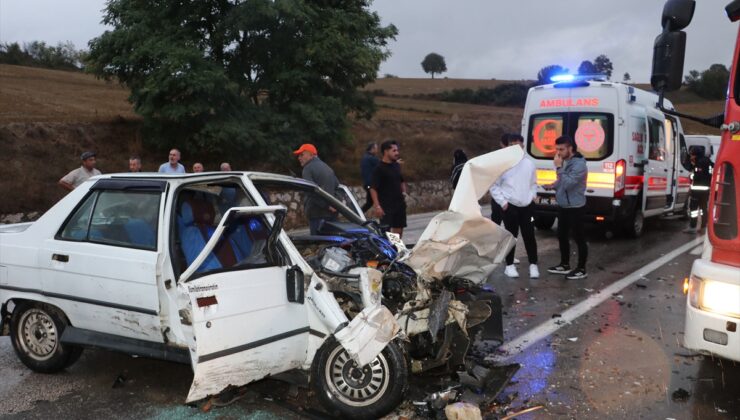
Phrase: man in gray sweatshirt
{"type": "Point", "coordinates": [570, 193]}
{"type": "Point", "coordinates": [318, 172]}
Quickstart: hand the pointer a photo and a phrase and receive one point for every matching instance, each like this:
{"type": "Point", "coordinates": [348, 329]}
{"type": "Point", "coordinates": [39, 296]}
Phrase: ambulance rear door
{"type": "Point", "coordinates": [657, 174]}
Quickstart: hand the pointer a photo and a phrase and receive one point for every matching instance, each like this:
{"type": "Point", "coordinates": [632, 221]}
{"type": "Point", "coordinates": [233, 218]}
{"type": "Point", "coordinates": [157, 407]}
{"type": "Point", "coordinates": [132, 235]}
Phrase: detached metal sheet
{"type": "Point", "coordinates": [461, 241]}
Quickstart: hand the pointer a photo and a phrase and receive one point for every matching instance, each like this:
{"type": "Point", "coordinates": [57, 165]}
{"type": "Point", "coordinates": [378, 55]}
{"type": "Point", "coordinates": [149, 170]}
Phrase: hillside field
{"type": "Point", "coordinates": [48, 117]}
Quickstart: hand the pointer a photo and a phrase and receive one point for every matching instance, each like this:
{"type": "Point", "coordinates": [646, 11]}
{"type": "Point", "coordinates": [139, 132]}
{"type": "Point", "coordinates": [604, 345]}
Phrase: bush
{"type": "Point", "coordinates": [508, 94]}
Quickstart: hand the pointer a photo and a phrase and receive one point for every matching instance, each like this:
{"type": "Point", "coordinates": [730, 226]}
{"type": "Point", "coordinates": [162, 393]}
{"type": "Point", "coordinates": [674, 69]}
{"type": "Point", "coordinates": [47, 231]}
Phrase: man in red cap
{"type": "Point", "coordinates": [318, 172]}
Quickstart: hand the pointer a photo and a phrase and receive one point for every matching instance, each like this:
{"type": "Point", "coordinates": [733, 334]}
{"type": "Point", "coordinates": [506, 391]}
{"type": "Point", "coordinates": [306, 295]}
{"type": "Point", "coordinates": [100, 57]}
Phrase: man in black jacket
{"type": "Point", "coordinates": [701, 178]}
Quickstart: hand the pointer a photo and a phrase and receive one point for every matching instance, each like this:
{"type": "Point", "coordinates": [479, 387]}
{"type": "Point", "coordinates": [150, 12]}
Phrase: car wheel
{"type": "Point", "coordinates": [36, 330]}
{"type": "Point", "coordinates": [544, 222]}
{"type": "Point", "coordinates": [635, 224]}
{"type": "Point", "coordinates": [350, 391]}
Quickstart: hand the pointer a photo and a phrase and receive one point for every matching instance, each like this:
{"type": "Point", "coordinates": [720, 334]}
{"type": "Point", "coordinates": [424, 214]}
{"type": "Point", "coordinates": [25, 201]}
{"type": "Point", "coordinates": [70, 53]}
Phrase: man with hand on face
{"type": "Point", "coordinates": [388, 189]}
{"type": "Point", "coordinates": [76, 177]}
{"type": "Point", "coordinates": [570, 193]}
{"type": "Point", "coordinates": [515, 191]}
{"type": "Point", "coordinates": [173, 165]}
{"type": "Point", "coordinates": [318, 172]}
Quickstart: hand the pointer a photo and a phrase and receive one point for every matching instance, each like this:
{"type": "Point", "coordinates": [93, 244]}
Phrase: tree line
{"type": "Point", "coordinates": [63, 56]}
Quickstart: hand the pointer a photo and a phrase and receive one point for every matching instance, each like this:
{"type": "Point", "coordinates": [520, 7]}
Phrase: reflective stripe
{"type": "Point", "coordinates": [699, 188]}
{"type": "Point", "coordinates": [695, 214]}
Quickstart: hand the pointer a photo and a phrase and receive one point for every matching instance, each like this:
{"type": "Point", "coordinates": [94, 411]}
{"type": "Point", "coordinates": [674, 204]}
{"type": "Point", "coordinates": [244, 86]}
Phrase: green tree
{"type": "Point", "coordinates": [434, 63]}
{"type": "Point", "coordinates": [709, 84]}
{"type": "Point", "coordinates": [258, 77]}
{"type": "Point", "coordinates": [604, 66]}
{"type": "Point", "coordinates": [586, 67]}
{"type": "Point", "coordinates": [626, 78]}
{"type": "Point", "coordinates": [546, 73]}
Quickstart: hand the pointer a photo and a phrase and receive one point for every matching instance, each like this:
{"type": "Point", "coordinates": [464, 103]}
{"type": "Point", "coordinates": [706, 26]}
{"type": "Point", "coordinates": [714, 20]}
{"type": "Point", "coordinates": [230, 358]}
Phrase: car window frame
{"type": "Point", "coordinates": [172, 246]}
{"type": "Point", "coordinates": [97, 192]}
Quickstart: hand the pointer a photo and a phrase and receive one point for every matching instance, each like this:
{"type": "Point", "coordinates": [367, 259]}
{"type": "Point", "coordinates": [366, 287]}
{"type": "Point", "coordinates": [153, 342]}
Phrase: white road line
{"type": "Point", "coordinates": [698, 250]}
{"type": "Point", "coordinates": [524, 341]}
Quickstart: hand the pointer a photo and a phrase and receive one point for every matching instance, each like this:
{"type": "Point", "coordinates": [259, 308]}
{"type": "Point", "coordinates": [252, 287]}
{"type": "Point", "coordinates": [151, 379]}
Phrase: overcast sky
{"type": "Point", "coordinates": [480, 39]}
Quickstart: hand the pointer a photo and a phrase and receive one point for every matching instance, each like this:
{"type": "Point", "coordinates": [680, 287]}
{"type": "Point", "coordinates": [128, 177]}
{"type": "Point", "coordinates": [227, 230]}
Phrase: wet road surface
{"type": "Point", "coordinates": [621, 359]}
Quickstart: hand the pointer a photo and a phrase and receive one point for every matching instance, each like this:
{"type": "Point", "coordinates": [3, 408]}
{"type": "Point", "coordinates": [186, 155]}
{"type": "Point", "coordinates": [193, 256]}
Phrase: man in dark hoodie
{"type": "Point", "coordinates": [570, 193]}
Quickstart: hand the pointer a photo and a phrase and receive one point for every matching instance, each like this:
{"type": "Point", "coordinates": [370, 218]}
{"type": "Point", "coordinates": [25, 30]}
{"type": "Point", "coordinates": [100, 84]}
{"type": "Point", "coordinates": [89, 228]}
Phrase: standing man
{"type": "Point", "coordinates": [197, 168]}
{"type": "Point", "coordinates": [388, 189]}
{"type": "Point", "coordinates": [318, 172]}
{"type": "Point", "coordinates": [173, 165]}
{"type": "Point", "coordinates": [570, 193]}
{"type": "Point", "coordinates": [515, 191]}
{"type": "Point", "coordinates": [134, 164]}
{"type": "Point", "coordinates": [701, 178]}
{"type": "Point", "coordinates": [225, 167]}
{"type": "Point", "coordinates": [77, 176]}
{"type": "Point", "coordinates": [367, 166]}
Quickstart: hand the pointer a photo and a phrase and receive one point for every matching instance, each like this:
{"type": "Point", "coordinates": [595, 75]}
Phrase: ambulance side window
{"type": "Point", "coordinates": [656, 146]}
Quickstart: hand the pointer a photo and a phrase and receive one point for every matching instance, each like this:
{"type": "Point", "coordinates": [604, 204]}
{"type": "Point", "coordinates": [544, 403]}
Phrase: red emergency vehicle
{"type": "Point", "coordinates": [713, 289]}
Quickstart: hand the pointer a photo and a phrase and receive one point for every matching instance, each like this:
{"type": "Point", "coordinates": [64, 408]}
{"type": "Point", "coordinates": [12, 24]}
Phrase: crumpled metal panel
{"type": "Point", "coordinates": [461, 241]}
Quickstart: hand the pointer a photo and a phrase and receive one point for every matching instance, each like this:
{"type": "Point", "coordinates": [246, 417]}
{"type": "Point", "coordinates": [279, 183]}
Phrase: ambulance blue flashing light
{"type": "Point", "coordinates": [562, 78]}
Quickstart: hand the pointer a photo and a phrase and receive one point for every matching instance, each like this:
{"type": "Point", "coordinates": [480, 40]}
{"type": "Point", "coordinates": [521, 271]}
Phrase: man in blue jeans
{"type": "Point", "coordinates": [570, 193]}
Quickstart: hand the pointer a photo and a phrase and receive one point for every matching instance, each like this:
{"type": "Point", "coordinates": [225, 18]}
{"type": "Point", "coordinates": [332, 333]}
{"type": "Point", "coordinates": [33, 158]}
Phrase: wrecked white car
{"type": "Point", "coordinates": [216, 270]}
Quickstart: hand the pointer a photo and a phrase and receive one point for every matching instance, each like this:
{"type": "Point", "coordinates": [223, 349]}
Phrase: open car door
{"type": "Point", "coordinates": [241, 305]}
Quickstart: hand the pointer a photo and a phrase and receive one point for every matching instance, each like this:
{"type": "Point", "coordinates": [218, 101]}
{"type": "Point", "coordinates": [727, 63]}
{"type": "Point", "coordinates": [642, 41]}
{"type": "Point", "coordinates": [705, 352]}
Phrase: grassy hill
{"type": "Point", "coordinates": [48, 117]}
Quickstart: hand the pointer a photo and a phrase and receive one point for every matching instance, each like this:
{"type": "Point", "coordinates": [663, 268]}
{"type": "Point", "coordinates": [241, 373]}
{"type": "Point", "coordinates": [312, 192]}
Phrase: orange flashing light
{"type": "Point", "coordinates": [600, 218]}
{"type": "Point", "coordinates": [685, 285]}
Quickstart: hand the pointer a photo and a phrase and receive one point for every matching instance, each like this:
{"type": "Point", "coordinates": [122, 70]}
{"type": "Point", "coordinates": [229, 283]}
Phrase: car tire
{"type": "Point", "coordinates": [635, 225]}
{"type": "Point", "coordinates": [349, 392]}
{"type": "Point", "coordinates": [544, 222]}
{"type": "Point", "coordinates": [36, 331]}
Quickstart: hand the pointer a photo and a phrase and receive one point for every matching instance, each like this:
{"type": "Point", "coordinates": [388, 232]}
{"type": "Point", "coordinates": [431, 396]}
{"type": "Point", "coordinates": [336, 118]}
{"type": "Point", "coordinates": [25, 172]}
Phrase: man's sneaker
{"type": "Point", "coordinates": [559, 269]}
{"type": "Point", "coordinates": [516, 261]}
{"type": "Point", "coordinates": [534, 272]}
{"type": "Point", "coordinates": [510, 271]}
{"type": "Point", "coordinates": [577, 274]}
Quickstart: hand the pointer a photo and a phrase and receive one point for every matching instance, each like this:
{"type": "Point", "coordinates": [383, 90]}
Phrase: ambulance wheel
{"type": "Point", "coordinates": [635, 225]}
{"type": "Point", "coordinates": [359, 392]}
{"type": "Point", "coordinates": [544, 222]}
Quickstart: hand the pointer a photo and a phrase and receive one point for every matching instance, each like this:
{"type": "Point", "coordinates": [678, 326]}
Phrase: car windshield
{"type": "Point", "coordinates": [592, 131]}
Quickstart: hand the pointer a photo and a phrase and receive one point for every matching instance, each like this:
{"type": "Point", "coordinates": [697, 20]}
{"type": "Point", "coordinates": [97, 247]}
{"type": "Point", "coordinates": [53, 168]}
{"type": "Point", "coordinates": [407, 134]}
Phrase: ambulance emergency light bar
{"type": "Point", "coordinates": [560, 78]}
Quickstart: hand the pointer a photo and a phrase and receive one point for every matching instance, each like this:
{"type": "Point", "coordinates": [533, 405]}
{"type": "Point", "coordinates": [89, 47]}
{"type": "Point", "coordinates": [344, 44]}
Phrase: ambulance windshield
{"type": "Point", "coordinates": [592, 131]}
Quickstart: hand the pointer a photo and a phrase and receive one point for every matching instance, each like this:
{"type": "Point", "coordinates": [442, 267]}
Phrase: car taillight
{"type": "Point", "coordinates": [619, 178]}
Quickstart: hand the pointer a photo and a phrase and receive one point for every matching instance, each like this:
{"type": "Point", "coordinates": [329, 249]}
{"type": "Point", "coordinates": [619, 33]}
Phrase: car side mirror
{"type": "Point", "coordinates": [668, 57]}
{"type": "Point", "coordinates": [294, 284]}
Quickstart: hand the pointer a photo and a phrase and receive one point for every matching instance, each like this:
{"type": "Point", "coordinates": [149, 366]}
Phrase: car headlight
{"type": "Point", "coordinates": [715, 296]}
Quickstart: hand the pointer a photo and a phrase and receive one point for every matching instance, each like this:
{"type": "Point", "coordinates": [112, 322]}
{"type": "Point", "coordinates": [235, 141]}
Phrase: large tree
{"type": "Point", "coordinates": [711, 83]}
{"type": "Point", "coordinates": [258, 76]}
{"type": "Point", "coordinates": [546, 73]}
{"type": "Point", "coordinates": [434, 63]}
{"type": "Point", "coordinates": [604, 66]}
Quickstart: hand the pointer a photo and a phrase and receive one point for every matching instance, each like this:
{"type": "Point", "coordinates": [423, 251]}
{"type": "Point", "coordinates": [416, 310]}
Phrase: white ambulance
{"type": "Point", "coordinates": [633, 151]}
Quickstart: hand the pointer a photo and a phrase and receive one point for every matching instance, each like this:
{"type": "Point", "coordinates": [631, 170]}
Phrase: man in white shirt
{"type": "Point", "coordinates": [73, 179]}
{"type": "Point", "coordinates": [173, 165]}
{"type": "Point", "coordinates": [515, 191]}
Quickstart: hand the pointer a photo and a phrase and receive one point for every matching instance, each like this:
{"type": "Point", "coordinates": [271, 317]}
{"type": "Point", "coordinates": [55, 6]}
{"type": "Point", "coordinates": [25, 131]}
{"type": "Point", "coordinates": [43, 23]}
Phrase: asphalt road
{"type": "Point", "coordinates": [622, 358]}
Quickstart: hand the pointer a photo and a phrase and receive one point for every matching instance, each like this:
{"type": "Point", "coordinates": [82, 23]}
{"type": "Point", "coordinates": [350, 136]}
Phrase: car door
{"type": "Point", "coordinates": [243, 320]}
{"type": "Point", "coordinates": [101, 266]}
{"type": "Point", "coordinates": [345, 195]}
{"type": "Point", "coordinates": [656, 186]}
